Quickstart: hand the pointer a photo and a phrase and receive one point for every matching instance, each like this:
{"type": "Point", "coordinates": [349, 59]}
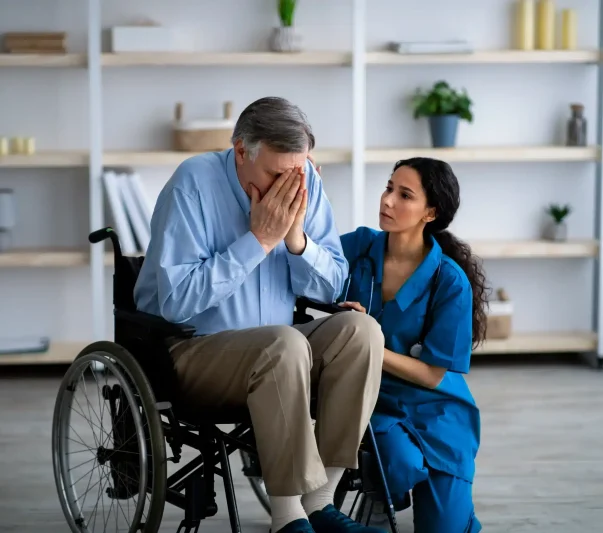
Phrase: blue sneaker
{"type": "Point", "coordinates": [330, 520]}
{"type": "Point", "coordinates": [297, 526]}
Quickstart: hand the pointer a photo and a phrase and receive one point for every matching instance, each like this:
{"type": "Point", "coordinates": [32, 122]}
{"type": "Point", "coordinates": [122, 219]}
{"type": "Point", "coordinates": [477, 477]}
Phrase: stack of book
{"type": "Point", "coordinates": [35, 42]}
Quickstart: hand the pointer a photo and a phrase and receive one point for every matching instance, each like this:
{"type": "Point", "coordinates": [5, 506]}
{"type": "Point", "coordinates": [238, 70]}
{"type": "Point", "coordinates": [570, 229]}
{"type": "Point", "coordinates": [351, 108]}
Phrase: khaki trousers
{"type": "Point", "coordinates": [272, 369]}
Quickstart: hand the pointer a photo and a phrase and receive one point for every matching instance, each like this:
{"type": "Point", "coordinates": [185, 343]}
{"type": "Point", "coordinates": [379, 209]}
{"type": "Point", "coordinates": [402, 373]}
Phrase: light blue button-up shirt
{"type": "Point", "coordinates": [205, 268]}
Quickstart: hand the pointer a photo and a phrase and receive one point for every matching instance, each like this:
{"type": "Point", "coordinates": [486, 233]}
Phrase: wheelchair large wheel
{"type": "Point", "coordinates": [108, 446]}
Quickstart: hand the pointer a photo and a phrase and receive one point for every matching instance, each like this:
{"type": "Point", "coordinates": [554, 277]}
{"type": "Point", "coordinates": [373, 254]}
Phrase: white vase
{"type": "Point", "coordinates": [285, 39]}
{"type": "Point", "coordinates": [556, 231]}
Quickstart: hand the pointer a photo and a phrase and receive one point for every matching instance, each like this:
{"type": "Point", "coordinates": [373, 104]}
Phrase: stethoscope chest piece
{"type": "Point", "coordinates": [415, 350]}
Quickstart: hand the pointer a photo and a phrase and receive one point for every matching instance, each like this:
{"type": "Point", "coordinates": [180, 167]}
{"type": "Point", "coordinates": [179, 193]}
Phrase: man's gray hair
{"type": "Point", "coordinates": [276, 123]}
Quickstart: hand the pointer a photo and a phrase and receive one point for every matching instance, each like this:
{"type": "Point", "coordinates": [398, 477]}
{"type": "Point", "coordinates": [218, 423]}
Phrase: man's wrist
{"type": "Point", "coordinates": [296, 244]}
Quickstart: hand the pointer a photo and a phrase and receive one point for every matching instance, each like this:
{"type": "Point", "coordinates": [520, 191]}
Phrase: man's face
{"type": "Point", "coordinates": [266, 168]}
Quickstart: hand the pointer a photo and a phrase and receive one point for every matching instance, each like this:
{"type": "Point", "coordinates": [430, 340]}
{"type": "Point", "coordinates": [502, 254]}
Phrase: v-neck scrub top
{"type": "Point", "coordinates": [444, 421]}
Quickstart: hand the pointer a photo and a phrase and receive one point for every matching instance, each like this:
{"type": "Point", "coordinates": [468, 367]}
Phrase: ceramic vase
{"type": "Point", "coordinates": [443, 130]}
{"type": "Point", "coordinates": [285, 39]}
{"type": "Point", "coordinates": [556, 231]}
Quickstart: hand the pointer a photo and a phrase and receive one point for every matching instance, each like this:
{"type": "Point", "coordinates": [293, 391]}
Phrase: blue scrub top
{"type": "Point", "coordinates": [444, 421]}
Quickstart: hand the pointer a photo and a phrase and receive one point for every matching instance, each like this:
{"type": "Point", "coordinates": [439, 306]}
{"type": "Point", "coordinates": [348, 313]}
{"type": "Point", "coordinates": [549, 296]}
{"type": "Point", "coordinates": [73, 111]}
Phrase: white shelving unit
{"type": "Point", "coordinates": [358, 156]}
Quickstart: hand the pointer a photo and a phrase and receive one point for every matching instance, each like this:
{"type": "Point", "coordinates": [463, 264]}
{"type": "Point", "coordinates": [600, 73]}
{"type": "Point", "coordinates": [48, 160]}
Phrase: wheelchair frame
{"type": "Point", "coordinates": [192, 487]}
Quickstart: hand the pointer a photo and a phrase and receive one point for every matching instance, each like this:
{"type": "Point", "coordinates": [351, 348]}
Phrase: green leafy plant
{"type": "Point", "coordinates": [558, 212]}
{"type": "Point", "coordinates": [286, 10]}
{"type": "Point", "coordinates": [442, 99]}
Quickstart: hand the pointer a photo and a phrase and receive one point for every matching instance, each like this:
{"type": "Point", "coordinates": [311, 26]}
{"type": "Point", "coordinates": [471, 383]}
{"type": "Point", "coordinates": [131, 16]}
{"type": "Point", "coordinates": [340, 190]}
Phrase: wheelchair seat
{"type": "Point", "coordinates": [133, 384]}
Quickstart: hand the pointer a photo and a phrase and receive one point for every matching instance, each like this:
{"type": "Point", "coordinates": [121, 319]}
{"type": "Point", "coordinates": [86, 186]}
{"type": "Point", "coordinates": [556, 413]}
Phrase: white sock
{"type": "Point", "coordinates": [320, 498]}
{"type": "Point", "coordinates": [285, 509]}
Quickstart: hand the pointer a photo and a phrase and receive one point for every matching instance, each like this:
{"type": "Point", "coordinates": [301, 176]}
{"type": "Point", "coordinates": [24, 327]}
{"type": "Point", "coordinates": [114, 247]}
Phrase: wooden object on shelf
{"type": "Point", "coordinates": [43, 60]}
{"type": "Point", "coordinates": [171, 158]}
{"type": "Point", "coordinates": [35, 42]}
{"type": "Point", "coordinates": [480, 154]}
{"type": "Point", "coordinates": [507, 249]}
{"type": "Point", "coordinates": [44, 258]}
{"type": "Point", "coordinates": [486, 57]}
{"type": "Point", "coordinates": [58, 353]}
{"type": "Point", "coordinates": [239, 59]}
{"type": "Point", "coordinates": [202, 135]}
{"type": "Point", "coordinates": [541, 342]}
{"type": "Point", "coordinates": [55, 158]}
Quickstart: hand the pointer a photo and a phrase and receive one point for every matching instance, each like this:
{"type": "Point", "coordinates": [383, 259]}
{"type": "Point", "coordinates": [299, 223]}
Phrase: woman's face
{"type": "Point", "coordinates": [403, 203]}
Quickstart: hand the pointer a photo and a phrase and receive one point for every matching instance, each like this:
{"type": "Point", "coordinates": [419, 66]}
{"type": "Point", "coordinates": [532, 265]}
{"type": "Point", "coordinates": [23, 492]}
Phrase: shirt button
{"type": "Point", "coordinates": [265, 289]}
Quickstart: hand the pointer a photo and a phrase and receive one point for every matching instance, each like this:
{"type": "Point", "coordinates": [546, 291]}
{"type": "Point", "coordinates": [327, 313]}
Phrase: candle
{"type": "Point", "coordinates": [524, 24]}
{"type": "Point", "coordinates": [3, 146]}
{"type": "Point", "coordinates": [569, 37]}
{"type": "Point", "coordinates": [30, 146]}
{"type": "Point", "coordinates": [546, 25]}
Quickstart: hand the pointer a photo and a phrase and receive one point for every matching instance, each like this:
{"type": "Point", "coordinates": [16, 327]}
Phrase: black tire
{"type": "Point", "coordinates": [134, 385]}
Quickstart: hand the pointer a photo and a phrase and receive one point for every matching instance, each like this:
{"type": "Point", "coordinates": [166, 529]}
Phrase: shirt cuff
{"type": "Point", "coordinates": [247, 251]}
{"type": "Point", "coordinates": [308, 257]}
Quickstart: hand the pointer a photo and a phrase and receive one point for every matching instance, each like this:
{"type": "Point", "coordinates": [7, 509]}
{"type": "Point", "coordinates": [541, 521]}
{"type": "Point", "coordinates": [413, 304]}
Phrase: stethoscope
{"type": "Point", "coordinates": [415, 350]}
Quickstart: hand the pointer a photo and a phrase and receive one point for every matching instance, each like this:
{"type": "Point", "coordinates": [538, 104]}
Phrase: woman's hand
{"type": "Point", "coordinates": [353, 305]}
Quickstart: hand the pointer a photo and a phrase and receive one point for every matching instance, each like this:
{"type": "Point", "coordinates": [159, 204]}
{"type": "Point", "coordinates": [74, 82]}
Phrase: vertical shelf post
{"type": "Point", "coordinates": [598, 205]}
{"type": "Point", "coordinates": [358, 111]}
{"type": "Point", "coordinates": [97, 268]}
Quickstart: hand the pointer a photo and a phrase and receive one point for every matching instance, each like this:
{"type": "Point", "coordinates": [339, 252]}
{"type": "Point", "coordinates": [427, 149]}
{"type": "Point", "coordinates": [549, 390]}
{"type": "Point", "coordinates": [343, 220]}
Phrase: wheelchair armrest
{"type": "Point", "coordinates": [303, 303]}
{"type": "Point", "coordinates": [150, 321]}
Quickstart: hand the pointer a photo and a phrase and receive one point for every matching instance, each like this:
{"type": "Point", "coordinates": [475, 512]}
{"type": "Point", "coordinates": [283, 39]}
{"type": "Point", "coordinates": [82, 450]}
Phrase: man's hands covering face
{"type": "Point", "coordinates": [280, 213]}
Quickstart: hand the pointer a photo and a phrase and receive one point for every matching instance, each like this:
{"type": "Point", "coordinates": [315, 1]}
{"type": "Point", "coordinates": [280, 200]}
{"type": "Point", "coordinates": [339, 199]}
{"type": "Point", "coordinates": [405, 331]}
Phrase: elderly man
{"type": "Point", "coordinates": [236, 237]}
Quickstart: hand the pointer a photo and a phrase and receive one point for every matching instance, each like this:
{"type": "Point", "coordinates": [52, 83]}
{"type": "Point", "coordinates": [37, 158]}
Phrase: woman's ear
{"type": "Point", "coordinates": [430, 215]}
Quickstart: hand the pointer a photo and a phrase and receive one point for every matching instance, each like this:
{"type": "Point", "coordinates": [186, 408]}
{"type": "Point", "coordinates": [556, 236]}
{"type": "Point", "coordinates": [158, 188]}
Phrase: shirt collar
{"type": "Point", "coordinates": [416, 284]}
{"type": "Point", "coordinates": [235, 184]}
{"type": "Point", "coordinates": [419, 280]}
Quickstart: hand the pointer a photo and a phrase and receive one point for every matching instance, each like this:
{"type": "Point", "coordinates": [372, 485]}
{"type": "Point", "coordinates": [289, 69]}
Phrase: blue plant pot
{"type": "Point", "coordinates": [443, 130]}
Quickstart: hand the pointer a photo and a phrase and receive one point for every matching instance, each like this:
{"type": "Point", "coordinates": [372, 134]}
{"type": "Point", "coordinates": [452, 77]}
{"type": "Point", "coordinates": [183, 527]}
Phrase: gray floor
{"type": "Point", "coordinates": [540, 468]}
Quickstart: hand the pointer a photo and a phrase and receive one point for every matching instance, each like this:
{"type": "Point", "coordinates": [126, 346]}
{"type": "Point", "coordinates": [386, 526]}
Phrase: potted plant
{"type": "Point", "coordinates": [284, 37]}
{"type": "Point", "coordinates": [557, 228]}
{"type": "Point", "coordinates": [443, 106]}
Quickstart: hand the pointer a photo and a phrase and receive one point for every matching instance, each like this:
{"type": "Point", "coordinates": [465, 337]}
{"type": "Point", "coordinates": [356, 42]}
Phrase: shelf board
{"type": "Point", "coordinates": [39, 258]}
{"type": "Point", "coordinates": [544, 342]}
{"type": "Point", "coordinates": [482, 154]}
{"type": "Point", "coordinates": [534, 249]}
{"type": "Point", "coordinates": [485, 57]}
{"type": "Point", "coordinates": [58, 353]}
{"type": "Point", "coordinates": [55, 158]}
{"type": "Point", "coordinates": [239, 59]}
{"type": "Point", "coordinates": [172, 159]}
{"type": "Point", "coordinates": [43, 60]}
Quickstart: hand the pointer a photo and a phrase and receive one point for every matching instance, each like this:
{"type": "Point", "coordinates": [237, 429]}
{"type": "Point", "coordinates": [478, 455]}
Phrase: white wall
{"type": "Point", "coordinates": [514, 105]}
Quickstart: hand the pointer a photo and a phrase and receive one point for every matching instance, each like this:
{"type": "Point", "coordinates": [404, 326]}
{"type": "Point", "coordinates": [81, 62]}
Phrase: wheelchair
{"type": "Point", "coordinates": [119, 419]}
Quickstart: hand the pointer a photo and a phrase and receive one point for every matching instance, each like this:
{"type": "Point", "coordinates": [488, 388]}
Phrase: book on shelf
{"type": "Point", "coordinates": [430, 47]}
{"type": "Point", "coordinates": [131, 210]}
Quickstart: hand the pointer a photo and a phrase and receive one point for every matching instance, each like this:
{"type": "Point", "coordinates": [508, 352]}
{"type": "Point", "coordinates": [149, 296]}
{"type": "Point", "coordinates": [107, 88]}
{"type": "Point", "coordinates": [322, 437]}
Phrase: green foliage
{"type": "Point", "coordinates": [286, 10]}
{"type": "Point", "coordinates": [441, 99]}
{"type": "Point", "coordinates": [558, 211]}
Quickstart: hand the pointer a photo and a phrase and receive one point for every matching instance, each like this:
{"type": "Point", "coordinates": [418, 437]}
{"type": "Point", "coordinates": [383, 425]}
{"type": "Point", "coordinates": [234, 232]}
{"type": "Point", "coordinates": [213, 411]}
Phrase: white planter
{"type": "Point", "coordinates": [556, 231]}
{"type": "Point", "coordinates": [285, 39]}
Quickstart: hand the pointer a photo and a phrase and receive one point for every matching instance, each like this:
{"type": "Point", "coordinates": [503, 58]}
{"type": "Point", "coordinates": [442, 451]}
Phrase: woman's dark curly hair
{"type": "Point", "coordinates": [443, 193]}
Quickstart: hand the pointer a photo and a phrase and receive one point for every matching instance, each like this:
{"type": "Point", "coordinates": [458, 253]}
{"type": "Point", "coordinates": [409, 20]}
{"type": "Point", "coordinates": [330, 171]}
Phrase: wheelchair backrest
{"type": "Point", "coordinates": [125, 275]}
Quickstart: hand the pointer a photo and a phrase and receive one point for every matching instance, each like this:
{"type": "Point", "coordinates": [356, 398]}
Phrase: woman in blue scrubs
{"type": "Point", "coordinates": [428, 293]}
